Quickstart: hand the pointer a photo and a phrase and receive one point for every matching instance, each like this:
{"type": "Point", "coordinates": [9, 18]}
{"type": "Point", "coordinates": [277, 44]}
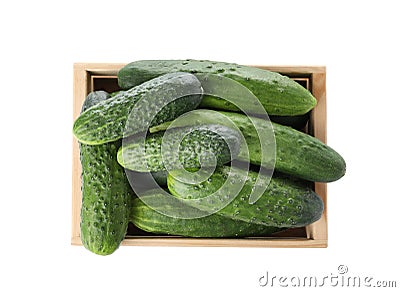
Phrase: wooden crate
{"type": "Point", "coordinates": [96, 76]}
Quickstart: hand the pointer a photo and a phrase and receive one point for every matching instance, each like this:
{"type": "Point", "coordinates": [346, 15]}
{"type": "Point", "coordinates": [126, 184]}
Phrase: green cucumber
{"type": "Point", "coordinates": [277, 93]}
{"type": "Point", "coordinates": [94, 98]}
{"type": "Point", "coordinates": [297, 154]}
{"type": "Point", "coordinates": [161, 99]}
{"type": "Point", "coordinates": [115, 93]}
{"type": "Point", "coordinates": [106, 193]}
{"type": "Point", "coordinates": [286, 202]}
{"type": "Point", "coordinates": [147, 219]}
{"type": "Point", "coordinates": [188, 147]}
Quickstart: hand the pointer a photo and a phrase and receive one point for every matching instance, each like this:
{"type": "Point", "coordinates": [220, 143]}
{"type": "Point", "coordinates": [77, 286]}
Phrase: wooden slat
{"type": "Point", "coordinates": [319, 229]}
{"type": "Point", "coordinates": [318, 114]}
{"type": "Point", "coordinates": [80, 91]}
{"type": "Point", "coordinates": [251, 242]}
{"type": "Point", "coordinates": [295, 70]}
{"type": "Point", "coordinates": [100, 68]}
{"type": "Point", "coordinates": [203, 242]}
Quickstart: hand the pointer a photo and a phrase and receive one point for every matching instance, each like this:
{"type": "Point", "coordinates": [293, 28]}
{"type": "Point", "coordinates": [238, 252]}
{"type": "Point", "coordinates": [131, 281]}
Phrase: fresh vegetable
{"type": "Point", "coordinates": [277, 93]}
{"type": "Point", "coordinates": [214, 225]}
{"type": "Point", "coordinates": [297, 154]}
{"type": "Point", "coordinates": [159, 100]}
{"type": "Point", "coordinates": [187, 147]}
{"type": "Point", "coordinates": [106, 193]}
{"type": "Point", "coordinates": [285, 202]}
{"type": "Point", "coordinates": [231, 169]}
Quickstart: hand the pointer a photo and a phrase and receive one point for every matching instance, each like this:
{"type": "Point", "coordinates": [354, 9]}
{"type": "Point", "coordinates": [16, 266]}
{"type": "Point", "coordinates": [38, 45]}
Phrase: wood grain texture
{"type": "Point", "coordinates": [294, 70]}
{"type": "Point", "coordinates": [315, 77]}
{"type": "Point", "coordinates": [319, 229]}
{"type": "Point", "coordinates": [246, 242]}
{"type": "Point", "coordinates": [80, 91]}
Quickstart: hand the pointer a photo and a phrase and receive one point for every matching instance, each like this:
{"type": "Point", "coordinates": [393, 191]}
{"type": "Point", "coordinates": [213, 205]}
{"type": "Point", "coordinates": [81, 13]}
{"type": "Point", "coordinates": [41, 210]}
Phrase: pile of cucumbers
{"type": "Point", "coordinates": [128, 138]}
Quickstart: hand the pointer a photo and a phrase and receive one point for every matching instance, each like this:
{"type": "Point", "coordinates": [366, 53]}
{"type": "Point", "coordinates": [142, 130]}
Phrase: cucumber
{"type": "Point", "coordinates": [187, 147]}
{"type": "Point", "coordinates": [94, 98]}
{"type": "Point", "coordinates": [147, 219]}
{"type": "Point", "coordinates": [109, 120]}
{"type": "Point", "coordinates": [297, 154]}
{"type": "Point", "coordinates": [285, 202]}
{"type": "Point", "coordinates": [277, 93]}
{"type": "Point", "coordinates": [106, 193]}
{"type": "Point", "coordinates": [115, 93]}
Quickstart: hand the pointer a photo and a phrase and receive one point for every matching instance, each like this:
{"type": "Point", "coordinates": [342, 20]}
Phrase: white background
{"type": "Point", "coordinates": [356, 40]}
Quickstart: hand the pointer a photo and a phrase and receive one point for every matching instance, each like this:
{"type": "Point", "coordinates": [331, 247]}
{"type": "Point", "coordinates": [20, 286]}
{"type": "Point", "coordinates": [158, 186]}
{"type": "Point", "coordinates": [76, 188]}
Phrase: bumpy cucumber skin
{"type": "Point", "coordinates": [277, 93]}
{"type": "Point", "coordinates": [106, 193]}
{"type": "Point", "coordinates": [106, 196]}
{"type": "Point", "coordinates": [285, 203]}
{"type": "Point", "coordinates": [106, 121]}
{"type": "Point", "coordinates": [297, 154]}
{"type": "Point", "coordinates": [147, 219]}
{"type": "Point", "coordinates": [191, 148]}
{"type": "Point", "coordinates": [94, 98]}
{"type": "Point", "coordinates": [306, 157]}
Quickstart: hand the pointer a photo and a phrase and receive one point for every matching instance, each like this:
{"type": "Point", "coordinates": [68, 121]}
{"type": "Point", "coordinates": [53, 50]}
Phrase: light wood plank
{"type": "Point", "coordinates": [319, 229]}
{"type": "Point", "coordinates": [296, 70]}
{"type": "Point", "coordinates": [100, 68]}
{"type": "Point", "coordinates": [251, 242]}
{"type": "Point", "coordinates": [80, 92]}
